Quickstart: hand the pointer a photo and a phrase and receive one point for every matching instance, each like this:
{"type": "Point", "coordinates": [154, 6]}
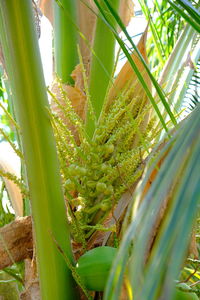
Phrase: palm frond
{"type": "Point", "coordinates": [133, 65]}
{"type": "Point", "coordinates": [188, 12]}
{"type": "Point", "coordinates": [165, 27]}
{"type": "Point", "coordinates": [192, 96]}
{"type": "Point", "coordinates": [178, 180]}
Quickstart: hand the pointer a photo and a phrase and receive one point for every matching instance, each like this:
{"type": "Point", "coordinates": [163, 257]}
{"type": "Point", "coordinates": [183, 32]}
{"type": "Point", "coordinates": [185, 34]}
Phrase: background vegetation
{"type": "Point", "coordinates": [119, 151]}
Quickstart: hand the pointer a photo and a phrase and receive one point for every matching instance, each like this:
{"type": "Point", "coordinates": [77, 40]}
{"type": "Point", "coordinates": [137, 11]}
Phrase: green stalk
{"type": "Point", "coordinates": [30, 103]}
{"type": "Point", "coordinates": [102, 64]}
{"type": "Point", "coordinates": [65, 38]}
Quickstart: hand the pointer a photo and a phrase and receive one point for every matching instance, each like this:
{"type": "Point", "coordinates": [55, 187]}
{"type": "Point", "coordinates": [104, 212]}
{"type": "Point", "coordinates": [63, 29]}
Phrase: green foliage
{"type": "Point", "coordinates": [192, 93]}
{"type": "Point", "coordinates": [11, 281]}
{"type": "Point", "coordinates": [184, 292]}
{"type": "Point", "coordinates": [159, 90]}
{"type": "Point", "coordinates": [8, 287]}
{"type": "Point", "coordinates": [190, 13]}
{"type": "Point", "coordinates": [97, 168]}
{"type": "Point", "coordinates": [178, 176]}
{"type": "Point", "coordinates": [165, 27]}
{"type": "Point", "coordinates": [190, 274]}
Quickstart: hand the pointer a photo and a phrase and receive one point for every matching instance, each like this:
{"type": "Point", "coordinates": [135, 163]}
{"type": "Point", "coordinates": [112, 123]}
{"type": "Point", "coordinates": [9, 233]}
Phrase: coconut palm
{"type": "Point", "coordinates": [104, 134]}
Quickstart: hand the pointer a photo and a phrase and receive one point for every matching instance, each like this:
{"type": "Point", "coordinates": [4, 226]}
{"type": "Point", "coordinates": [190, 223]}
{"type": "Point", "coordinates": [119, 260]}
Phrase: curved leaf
{"type": "Point", "coordinates": [193, 16]}
{"type": "Point", "coordinates": [179, 180]}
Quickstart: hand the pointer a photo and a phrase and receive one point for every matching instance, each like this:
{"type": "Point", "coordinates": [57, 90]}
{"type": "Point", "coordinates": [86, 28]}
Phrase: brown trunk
{"type": "Point", "coordinates": [16, 242]}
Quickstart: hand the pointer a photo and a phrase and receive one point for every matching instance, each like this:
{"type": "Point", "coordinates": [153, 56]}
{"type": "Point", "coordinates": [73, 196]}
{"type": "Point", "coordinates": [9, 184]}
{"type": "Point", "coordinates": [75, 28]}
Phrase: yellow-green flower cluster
{"type": "Point", "coordinates": [97, 172]}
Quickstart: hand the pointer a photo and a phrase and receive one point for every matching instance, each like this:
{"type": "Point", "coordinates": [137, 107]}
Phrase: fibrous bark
{"type": "Point", "coordinates": [16, 243]}
{"type": "Point", "coordinates": [32, 287]}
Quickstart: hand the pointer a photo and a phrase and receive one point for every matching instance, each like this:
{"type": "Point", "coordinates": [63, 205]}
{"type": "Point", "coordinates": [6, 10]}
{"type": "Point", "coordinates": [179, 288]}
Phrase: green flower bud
{"type": "Point", "coordinates": [81, 171]}
{"type": "Point", "coordinates": [105, 168]}
{"type": "Point", "coordinates": [105, 205]}
{"type": "Point", "coordinates": [109, 148]}
{"type": "Point", "coordinates": [109, 190]}
{"type": "Point", "coordinates": [101, 187]}
{"type": "Point", "coordinates": [91, 184]}
{"type": "Point", "coordinates": [72, 169]}
{"type": "Point", "coordinates": [69, 185]}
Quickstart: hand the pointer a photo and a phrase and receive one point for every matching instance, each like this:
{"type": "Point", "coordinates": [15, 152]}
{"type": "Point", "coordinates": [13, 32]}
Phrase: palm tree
{"type": "Point", "coordinates": [104, 129]}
